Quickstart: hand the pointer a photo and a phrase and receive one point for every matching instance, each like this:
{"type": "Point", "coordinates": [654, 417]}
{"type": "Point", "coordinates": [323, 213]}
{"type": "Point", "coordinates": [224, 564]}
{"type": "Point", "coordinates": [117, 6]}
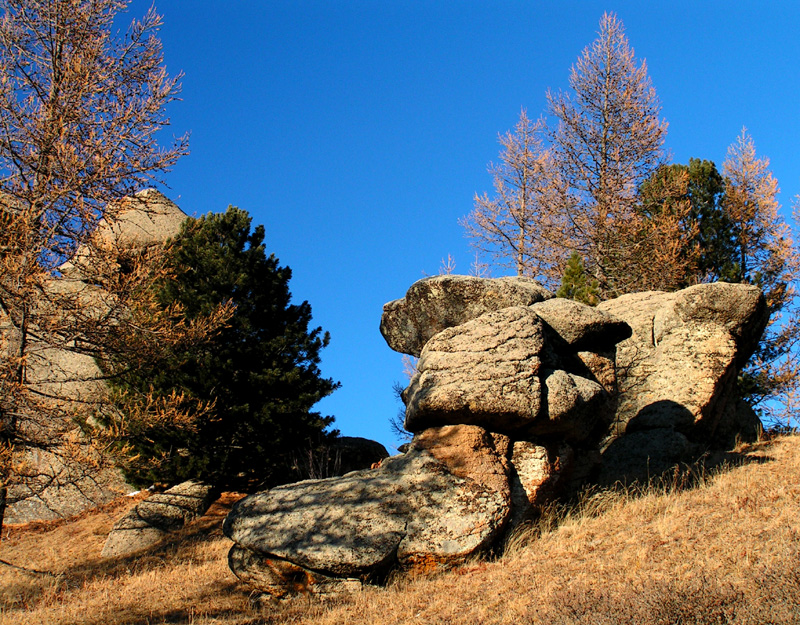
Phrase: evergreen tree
{"type": "Point", "coordinates": [576, 285]}
{"type": "Point", "coordinates": [712, 244]}
{"type": "Point", "coordinates": [261, 371]}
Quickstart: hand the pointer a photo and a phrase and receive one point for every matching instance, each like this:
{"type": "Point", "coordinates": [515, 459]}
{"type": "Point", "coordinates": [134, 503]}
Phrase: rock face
{"type": "Point", "coordinates": [509, 371]}
{"type": "Point", "coordinates": [677, 375]}
{"type": "Point", "coordinates": [516, 396]}
{"type": "Point", "coordinates": [158, 515]}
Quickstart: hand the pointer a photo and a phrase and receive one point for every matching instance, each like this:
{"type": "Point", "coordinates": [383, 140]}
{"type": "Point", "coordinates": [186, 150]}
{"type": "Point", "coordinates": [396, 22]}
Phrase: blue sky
{"type": "Point", "coordinates": [359, 131]}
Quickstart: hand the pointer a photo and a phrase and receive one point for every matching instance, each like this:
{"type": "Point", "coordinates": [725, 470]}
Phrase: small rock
{"type": "Point", "coordinates": [158, 515]}
{"type": "Point", "coordinates": [536, 474]}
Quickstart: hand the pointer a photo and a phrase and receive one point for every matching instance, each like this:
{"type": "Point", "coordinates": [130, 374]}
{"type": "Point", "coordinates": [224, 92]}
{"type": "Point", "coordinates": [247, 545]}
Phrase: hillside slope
{"type": "Point", "coordinates": [724, 551]}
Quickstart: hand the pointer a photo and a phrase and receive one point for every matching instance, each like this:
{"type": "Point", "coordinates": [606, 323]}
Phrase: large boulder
{"type": "Point", "coordinates": [485, 372]}
{"type": "Point", "coordinates": [352, 453]}
{"type": "Point", "coordinates": [434, 304]}
{"type": "Point", "coordinates": [677, 374]}
{"type": "Point", "coordinates": [496, 371]}
{"type": "Point", "coordinates": [440, 503]}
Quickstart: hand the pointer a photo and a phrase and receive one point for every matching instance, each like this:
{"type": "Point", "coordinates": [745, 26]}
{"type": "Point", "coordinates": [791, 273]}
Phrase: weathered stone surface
{"type": "Point", "coordinates": [677, 374]}
{"type": "Point", "coordinates": [158, 515]}
{"type": "Point", "coordinates": [535, 477]}
{"type": "Point", "coordinates": [145, 218]}
{"type": "Point", "coordinates": [679, 367]}
{"type": "Point", "coordinates": [583, 327]}
{"type": "Point", "coordinates": [412, 511]}
{"type": "Point", "coordinates": [483, 372]}
{"type": "Point", "coordinates": [469, 451]}
{"type": "Point", "coordinates": [434, 304]}
{"type": "Point", "coordinates": [280, 578]}
{"type": "Point", "coordinates": [601, 368]}
{"type": "Point", "coordinates": [61, 490]}
{"type": "Point", "coordinates": [643, 455]}
{"type": "Point", "coordinates": [575, 407]}
{"type": "Point", "coordinates": [739, 308]}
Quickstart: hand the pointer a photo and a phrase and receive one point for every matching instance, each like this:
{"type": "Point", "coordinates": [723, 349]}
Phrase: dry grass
{"type": "Point", "coordinates": [725, 551]}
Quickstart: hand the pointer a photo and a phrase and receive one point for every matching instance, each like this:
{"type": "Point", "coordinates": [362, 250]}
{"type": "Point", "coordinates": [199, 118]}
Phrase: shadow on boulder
{"type": "Point", "coordinates": [656, 441]}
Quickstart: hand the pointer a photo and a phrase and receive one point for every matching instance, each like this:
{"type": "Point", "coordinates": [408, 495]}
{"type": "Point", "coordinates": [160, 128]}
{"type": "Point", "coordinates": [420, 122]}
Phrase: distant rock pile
{"type": "Point", "coordinates": [67, 488]}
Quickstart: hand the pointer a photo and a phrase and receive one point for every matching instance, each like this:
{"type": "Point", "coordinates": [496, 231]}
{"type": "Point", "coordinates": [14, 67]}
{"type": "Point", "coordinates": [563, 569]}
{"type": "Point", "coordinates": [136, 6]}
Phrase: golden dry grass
{"type": "Point", "coordinates": [725, 551]}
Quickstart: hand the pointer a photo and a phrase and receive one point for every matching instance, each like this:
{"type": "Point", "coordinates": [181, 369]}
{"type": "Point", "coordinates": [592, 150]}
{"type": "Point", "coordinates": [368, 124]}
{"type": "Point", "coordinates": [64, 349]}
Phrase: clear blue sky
{"type": "Point", "coordinates": [358, 131]}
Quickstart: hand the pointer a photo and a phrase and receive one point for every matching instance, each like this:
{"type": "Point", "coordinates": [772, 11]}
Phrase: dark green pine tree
{"type": "Point", "coordinates": [576, 285]}
{"type": "Point", "coordinates": [716, 237]}
{"type": "Point", "coordinates": [261, 370]}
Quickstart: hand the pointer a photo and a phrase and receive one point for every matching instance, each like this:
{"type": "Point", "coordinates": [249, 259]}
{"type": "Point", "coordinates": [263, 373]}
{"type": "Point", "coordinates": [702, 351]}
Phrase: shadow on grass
{"type": "Point", "coordinates": [596, 499]}
{"type": "Point", "coordinates": [26, 590]}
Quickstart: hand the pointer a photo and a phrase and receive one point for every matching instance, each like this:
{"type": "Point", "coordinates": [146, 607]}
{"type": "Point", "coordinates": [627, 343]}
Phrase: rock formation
{"type": "Point", "coordinates": [517, 395]}
{"type": "Point", "coordinates": [677, 376]}
{"type": "Point", "coordinates": [63, 489]}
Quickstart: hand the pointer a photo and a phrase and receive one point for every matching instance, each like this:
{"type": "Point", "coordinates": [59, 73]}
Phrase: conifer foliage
{"type": "Point", "coordinates": [571, 184]}
{"type": "Point", "coordinates": [261, 371]}
{"type": "Point", "coordinates": [576, 285]}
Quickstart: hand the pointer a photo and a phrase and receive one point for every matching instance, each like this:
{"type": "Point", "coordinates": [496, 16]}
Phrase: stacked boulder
{"type": "Point", "coordinates": [510, 383]}
{"type": "Point", "coordinates": [517, 396]}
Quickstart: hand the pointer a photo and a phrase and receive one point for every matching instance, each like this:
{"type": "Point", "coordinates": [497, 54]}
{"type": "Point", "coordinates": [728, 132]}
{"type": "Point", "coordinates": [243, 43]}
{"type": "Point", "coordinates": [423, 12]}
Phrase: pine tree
{"type": "Point", "coordinates": [576, 285]}
{"type": "Point", "coordinates": [765, 255]}
{"type": "Point", "coordinates": [516, 226]}
{"type": "Point", "coordinates": [709, 254]}
{"type": "Point", "coordinates": [261, 371]}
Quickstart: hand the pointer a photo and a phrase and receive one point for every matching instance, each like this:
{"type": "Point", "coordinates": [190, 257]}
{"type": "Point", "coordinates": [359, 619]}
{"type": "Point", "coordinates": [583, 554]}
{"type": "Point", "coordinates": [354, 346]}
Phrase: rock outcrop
{"type": "Point", "coordinates": [517, 396]}
{"type": "Point", "coordinates": [64, 487]}
{"type": "Point", "coordinates": [677, 375]}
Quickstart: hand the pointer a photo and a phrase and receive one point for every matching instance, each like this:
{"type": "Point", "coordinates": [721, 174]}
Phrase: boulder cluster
{"type": "Point", "coordinates": [517, 396]}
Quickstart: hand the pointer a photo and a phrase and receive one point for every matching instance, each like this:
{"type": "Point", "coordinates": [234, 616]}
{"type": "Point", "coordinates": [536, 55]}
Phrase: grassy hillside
{"type": "Point", "coordinates": [726, 550]}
